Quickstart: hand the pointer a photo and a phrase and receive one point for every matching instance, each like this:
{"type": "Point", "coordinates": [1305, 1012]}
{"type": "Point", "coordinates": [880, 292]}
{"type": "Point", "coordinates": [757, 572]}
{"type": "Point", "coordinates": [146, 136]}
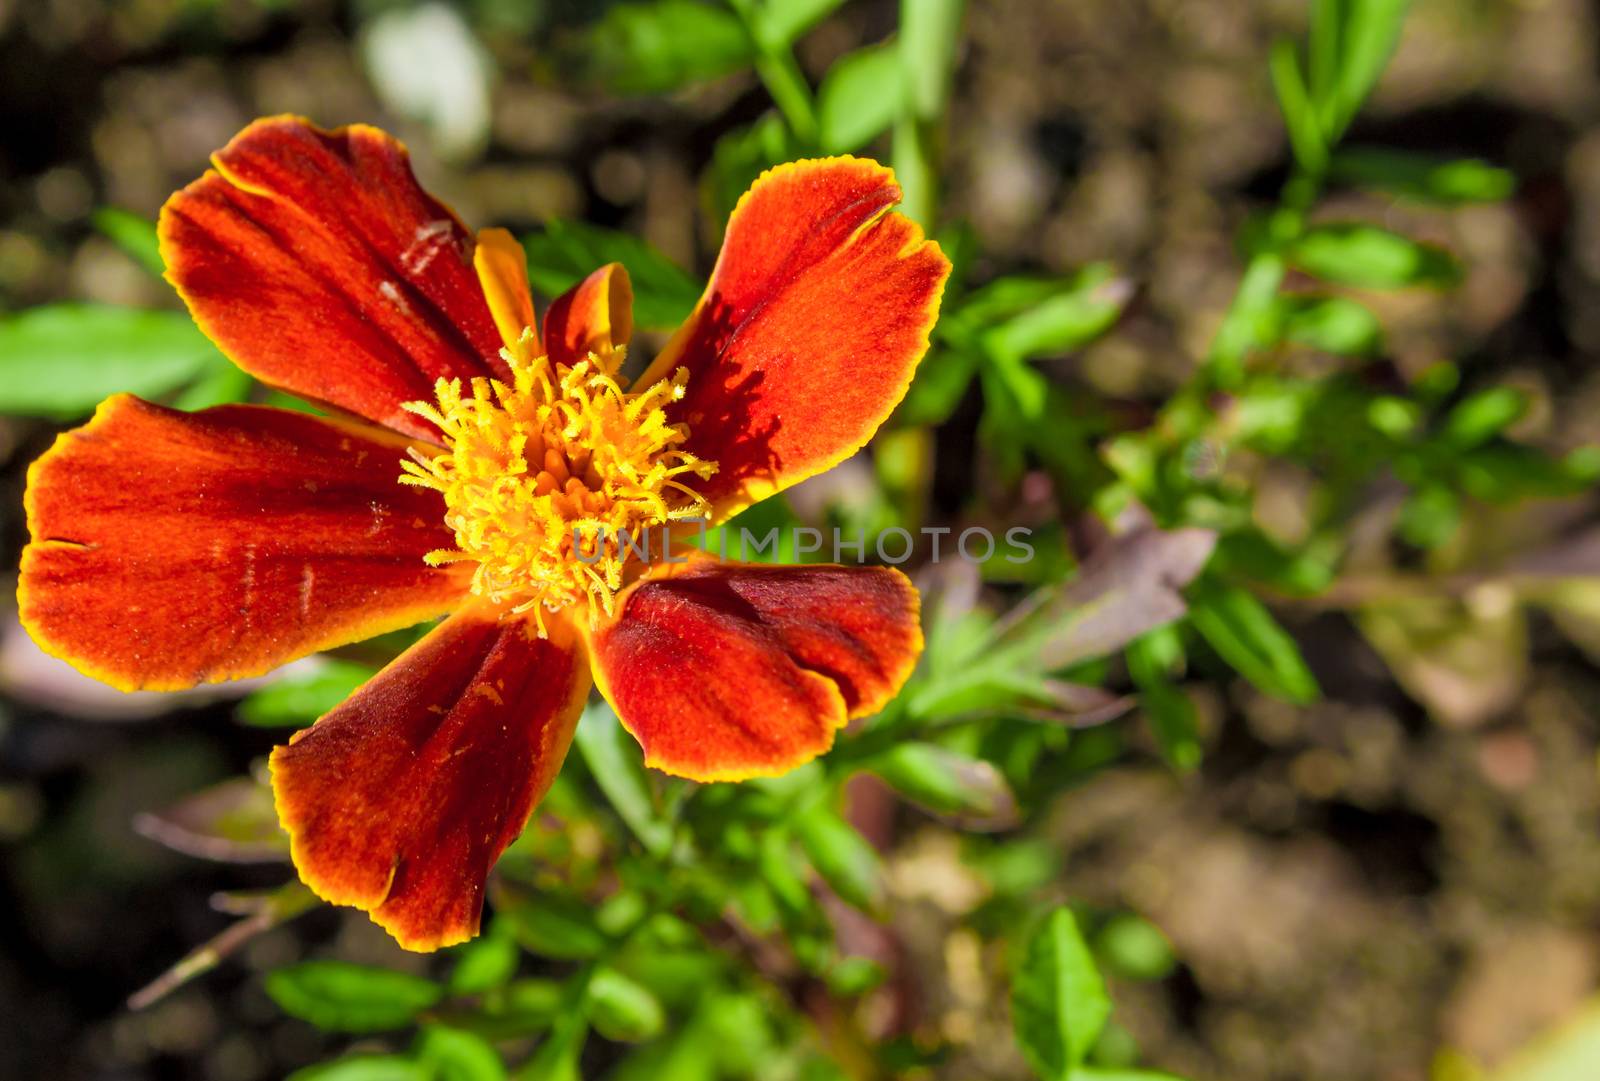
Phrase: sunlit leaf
{"type": "Point", "coordinates": [297, 700]}
{"type": "Point", "coordinates": [841, 856]}
{"type": "Point", "coordinates": [1370, 257]}
{"type": "Point", "coordinates": [455, 1055]}
{"type": "Point", "coordinates": [1333, 324]}
{"type": "Point", "coordinates": [968, 790]}
{"type": "Point", "coordinates": [654, 47]}
{"type": "Point", "coordinates": [1246, 635]}
{"type": "Point", "coordinates": [343, 997]}
{"type": "Point", "coordinates": [365, 1068]}
{"type": "Point", "coordinates": [63, 360]}
{"type": "Point", "coordinates": [859, 97]}
{"type": "Point", "coordinates": [1058, 1000]}
{"type": "Point", "coordinates": [566, 252]}
{"type": "Point", "coordinates": [620, 1009]}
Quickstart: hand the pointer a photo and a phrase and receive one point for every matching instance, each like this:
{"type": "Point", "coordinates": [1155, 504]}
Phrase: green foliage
{"type": "Point", "coordinates": [1058, 1001]}
{"type": "Point", "coordinates": [677, 919]}
{"type": "Point", "coordinates": [657, 46]}
{"type": "Point", "coordinates": [565, 252]}
{"type": "Point", "coordinates": [63, 360]}
{"type": "Point", "coordinates": [297, 700]}
{"type": "Point", "coordinates": [1371, 258]}
{"type": "Point", "coordinates": [860, 98]}
{"type": "Point", "coordinates": [342, 997]}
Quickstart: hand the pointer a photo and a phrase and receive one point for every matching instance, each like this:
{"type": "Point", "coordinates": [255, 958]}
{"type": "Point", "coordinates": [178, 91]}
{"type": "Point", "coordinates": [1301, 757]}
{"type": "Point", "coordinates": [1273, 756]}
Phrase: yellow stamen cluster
{"type": "Point", "coordinates": [561, 451]}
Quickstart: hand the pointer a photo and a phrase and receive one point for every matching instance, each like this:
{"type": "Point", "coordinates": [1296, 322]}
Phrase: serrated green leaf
{"type": "Point", "coordinates": [62, 360]}
{"type": "Point", "coordinates": [859, 98]}
{"type": "Point", "coordinates": [1058, 1000]}
{"type": "Point", "coordinates": [566, 252]}
{"type": "Point", "coordinates": [342, 997]}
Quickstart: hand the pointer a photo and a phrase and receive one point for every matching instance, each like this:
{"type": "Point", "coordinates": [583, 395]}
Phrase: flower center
{"type": "Point", "coordinates": [540, 476]}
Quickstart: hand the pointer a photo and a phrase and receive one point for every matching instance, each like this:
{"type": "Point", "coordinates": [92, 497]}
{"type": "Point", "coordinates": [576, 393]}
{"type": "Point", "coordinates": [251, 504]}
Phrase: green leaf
{"type": "Point", "coordinates": [1173, 719]}
{"type": "Point", "coordinates": [62, 360]}
{"type": "Point", "coordinates": [1332, 324]}
{"type": "Point", "coordinates": [930, 31]}
{"type": "Point", "coordinates": [742, 155]}
{"type": "Point", "coordinates": [948, 783]}
{"type": "Point", "coordinates": [297, 700]}
{"type": "Point", "coordinates": [1026, 316]}
{"type": "Point", "coordinates": [1248, 638]}
{"type": "Point", "coordinates": [133, 233]}
{"type": "Point", "coordinates": [558, 925]}
{"type": "Point", "coordinates": [1484, 415]}
{"type": "Point", "coordinates": [621, 1009]}
{"type": "Point", "coordinates": [484, 964]}
{"type": "Point", "coordinates": [1368, 31]}
{"type": "Point", "coordinates": [859, 97]}
{"type": "Point", "coordinates": [222, 384]}
{"type": "Point", "coordinates": [841, 856]}
{"type": "Point", "coordinates": [1096, 1073]}
{"type": "Point", "coordinates": [617, 767]}
{"type": "Point", "coordinates": [1058, 1001]}
{"type": "Point", "coordinates": [364, 1068]}
{"type": "Point", "coordinates": [455, 1055]}
{"type": "Point", "coordinates": [652, 48]}
{"type": "Point", "coordinates": [566, 252]}
{"type": "Point", "coordinates": [1423, 177]}
{"type": "Point", "coordinates": [342, 997]}
{"type": "Point", "coordinates": [1299, 111]}
{"type": "Point", "coordinates": [1134, 947]}
{"type": "Point", "coordinates": [1372, 258]}
{"type": "Point", "coordinates": [781, 22]}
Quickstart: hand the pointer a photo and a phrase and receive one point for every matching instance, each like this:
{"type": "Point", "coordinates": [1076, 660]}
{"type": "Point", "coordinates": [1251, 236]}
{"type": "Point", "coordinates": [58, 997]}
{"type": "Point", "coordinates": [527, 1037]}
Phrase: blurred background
{"type": "Point", "coordinates": [1399, 879]}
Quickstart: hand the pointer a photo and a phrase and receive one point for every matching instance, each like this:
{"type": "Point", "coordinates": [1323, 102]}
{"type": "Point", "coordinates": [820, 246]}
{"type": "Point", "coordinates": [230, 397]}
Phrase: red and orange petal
{"type": "Point", "coordinates": [725, 671]}
{"type": "Point", "coordinates": [170, 548]}
{"type": "Point", "coordinates": [594, 316]}
{"type": "Point", "coordinates": [401, 799]}
{"type": "Point", "coordinates": [810, 330]}
{"type": "Point", "coordinates": [319, 265]}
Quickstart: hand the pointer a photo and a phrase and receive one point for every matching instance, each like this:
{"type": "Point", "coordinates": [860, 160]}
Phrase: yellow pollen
{"type": "Point", "coordinates": [563, 456]}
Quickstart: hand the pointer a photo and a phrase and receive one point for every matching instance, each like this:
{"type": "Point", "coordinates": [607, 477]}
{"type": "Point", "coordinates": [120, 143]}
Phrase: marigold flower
{"type": "Point", "coordinates": [467, 445]}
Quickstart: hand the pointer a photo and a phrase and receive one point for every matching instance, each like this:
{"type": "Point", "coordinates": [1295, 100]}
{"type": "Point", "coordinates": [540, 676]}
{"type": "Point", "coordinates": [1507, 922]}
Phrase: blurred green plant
{"type": "Point", "coordinates": [694, 929]}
